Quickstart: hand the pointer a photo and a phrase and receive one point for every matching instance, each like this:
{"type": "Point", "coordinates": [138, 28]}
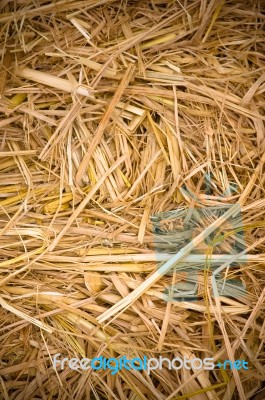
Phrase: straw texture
{"type": "Point", "coordinates": [132, 207]}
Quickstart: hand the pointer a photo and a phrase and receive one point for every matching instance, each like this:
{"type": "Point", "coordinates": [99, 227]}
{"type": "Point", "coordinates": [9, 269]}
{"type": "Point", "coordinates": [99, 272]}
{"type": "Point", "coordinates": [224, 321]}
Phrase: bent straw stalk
{"type": "Point", "coordinates": [86, 200]}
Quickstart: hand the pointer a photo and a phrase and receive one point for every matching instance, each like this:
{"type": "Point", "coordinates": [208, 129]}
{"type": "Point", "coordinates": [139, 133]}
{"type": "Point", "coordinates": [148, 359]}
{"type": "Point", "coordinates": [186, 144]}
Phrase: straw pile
{"type": "Point", "coordinates": [132, 158]}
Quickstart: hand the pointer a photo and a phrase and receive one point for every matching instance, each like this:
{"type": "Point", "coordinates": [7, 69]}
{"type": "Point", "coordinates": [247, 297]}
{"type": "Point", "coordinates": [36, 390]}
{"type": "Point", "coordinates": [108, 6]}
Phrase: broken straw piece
{"type": "Point", "coordinates": [52, 81]}
{"type": "Point", "coordinates": [24, 316]}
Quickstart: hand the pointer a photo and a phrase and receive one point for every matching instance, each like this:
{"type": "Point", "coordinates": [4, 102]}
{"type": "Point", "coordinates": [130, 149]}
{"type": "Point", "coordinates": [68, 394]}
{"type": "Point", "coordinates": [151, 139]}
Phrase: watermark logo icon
{"type": "Point", "coordinates": [174, 229]}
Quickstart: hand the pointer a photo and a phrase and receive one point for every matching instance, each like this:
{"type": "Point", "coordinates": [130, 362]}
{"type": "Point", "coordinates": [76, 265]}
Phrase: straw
{"type": "Point", "coordinates": [131, 197]}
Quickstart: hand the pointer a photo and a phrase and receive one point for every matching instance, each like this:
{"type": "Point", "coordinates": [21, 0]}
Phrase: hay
{"type": "Point", "coordinates": [131, 196]}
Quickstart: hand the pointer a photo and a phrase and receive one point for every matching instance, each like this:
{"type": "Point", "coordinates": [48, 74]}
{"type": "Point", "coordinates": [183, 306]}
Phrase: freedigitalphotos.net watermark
{"type": "Point", "coordinates": [146, 364]}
